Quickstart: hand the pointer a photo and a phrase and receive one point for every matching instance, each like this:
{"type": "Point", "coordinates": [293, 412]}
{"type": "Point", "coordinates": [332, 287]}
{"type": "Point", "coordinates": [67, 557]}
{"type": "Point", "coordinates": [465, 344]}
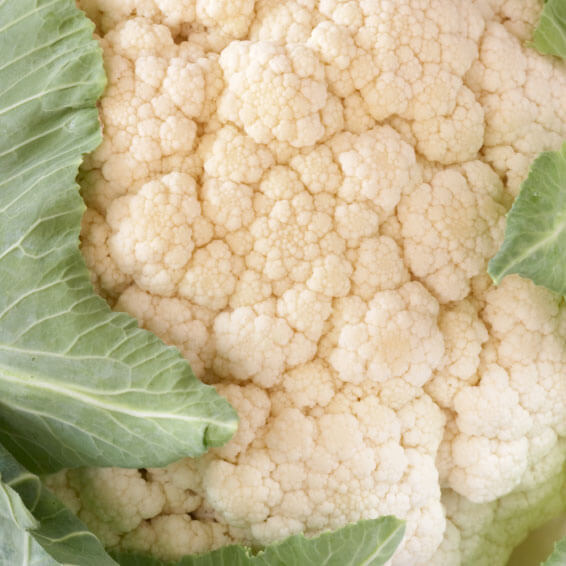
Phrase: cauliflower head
{"type": "Point", "coordinates": [302, 196]}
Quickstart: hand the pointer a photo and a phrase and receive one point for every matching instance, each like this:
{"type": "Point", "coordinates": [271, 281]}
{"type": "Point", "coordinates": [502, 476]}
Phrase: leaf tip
{"type": "Point", "coordinates": [218, 434]}
{"type": "Point", "coordinates": [494, 272]}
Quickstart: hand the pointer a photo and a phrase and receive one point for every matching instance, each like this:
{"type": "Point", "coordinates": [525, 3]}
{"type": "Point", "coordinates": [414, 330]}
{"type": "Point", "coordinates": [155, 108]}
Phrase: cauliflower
{"type": "Point", "coordinates": [302, 197]}
{"type": "Point", "coordinates": [460, 214]}
{"type": "Point", "coordinates": [156, 253]}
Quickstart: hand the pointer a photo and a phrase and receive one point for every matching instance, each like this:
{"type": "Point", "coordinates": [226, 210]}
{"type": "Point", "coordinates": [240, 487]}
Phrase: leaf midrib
{"type": "Point", "coordinates": [556, 233]}
{"type": "Point", "coordinates": [8, 375]}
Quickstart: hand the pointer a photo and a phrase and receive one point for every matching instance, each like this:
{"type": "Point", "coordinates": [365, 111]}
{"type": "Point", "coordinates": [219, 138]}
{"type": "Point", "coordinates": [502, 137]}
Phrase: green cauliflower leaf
{"type": "Point", "coordinates": [558, 556]}
{"type": "Point", "coordinates": [365, 543]}
{"type": "Point", "coordinates": [36, 528]}
{"type": "Point", "coordinates": [550, 34]}
{"type": "Point", "coordinates": [535, 236]}
{"type": "Point", "coordinates": [79, 384]}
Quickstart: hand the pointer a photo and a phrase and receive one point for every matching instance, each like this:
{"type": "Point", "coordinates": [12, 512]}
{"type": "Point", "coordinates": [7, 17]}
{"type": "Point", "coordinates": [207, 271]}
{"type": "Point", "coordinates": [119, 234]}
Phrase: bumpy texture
{"type": "Point", "coordinates": [302, 196]}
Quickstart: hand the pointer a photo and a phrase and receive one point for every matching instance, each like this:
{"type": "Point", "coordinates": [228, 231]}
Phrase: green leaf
{"type": "Point", "coordinates": [535, 236]}
{"type": "Point", "coordinates": [366, 543]}
{"type": "Point", "coordinates": [79, 385]}
{"type": "Point", "coordinates": [550, 34]}
{"type": "Point", "coordinates": [36, 528]}
{"type": "Point", "coordinates": [17, 545]}
{"type": "Point", "coordinates": [558, 556]}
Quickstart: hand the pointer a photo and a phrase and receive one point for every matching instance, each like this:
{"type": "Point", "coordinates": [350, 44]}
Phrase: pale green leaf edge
{"type": "Point", "coordinates": [558, 556]}
{"type": "Point", "coordinates": [549, 37]}
{"type": "Point", "coordinates": [36, 528]}
{"type": "Point", "coordinates": [370, 542]}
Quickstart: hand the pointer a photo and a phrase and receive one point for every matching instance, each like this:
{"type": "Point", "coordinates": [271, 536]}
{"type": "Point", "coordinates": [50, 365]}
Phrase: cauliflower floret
{"type": "Point", "coordinates": [223, 19]}
{"type": "Point", "coordinates": [293, 242]}
{"type": "Point", "coordinates": [455, 138]}
{"type": "Point", "coordinates": [345, 64]}
{"type": "Point", "coordinates": [251, 288]}
{"type": "Point", "coordinates": [378, 167]}
{"type": "Point", "coordinates": [310, 384]}
{"type": "Point", "coordinates": [354, 222]}
{"type": "Point", "coordinates": [170, 536]}
{"type": "Point", "coordinates": [304, 310]}
{"type": "Point", "coordinates": [227, 205]}
{"type": "Point", "coordinates": [452, 226]}
{"type": "Point", "coordinates": [379, 266]}
{"type": "Point", "coordinates": [176, 321]}
{"type": "Point", "coordinates": [357, 117]}
{"type": "Point", "coordinates": [330, 276]}
{"type": "Point", "coordinates": [284, 22]}
{"type": "Point", "coordinates": [148, 116]}
{"type": "Point", "coordinates": [398, 336]}
{"type": "Point", "coordinates": [153, 232]}
{"type": "Point", "coordinates": [489, 531]}
{"type": "Point", "coordinates": [519, 16]}
{"type": "Point", "coordinates": [232, 17]}
{"type": "Point", "coordinates": [311, 472]}
{"type": "Point", "coordinates": [108, 13]}
{"type": "Point", "coordinates": [179, 535]}
{"type": "Point", "coordinates": [99, 490]}
{"type": "Point", "coordinates": [522, 116]}
{"type": "Point", "coordinates": [476, 412]}
{"type": "Point", "coordinates": [435, 58]}
{"type": "Point", "coordinates": [499, 437]}
{"type": "Point", "coordinates": [464, 334]}
{"type": "Point", "coordinates": [413, 71]}
{"type": "Point", "coordinates": [211, 276]}
{"type": "Point", "coordinates": [180, 77]}
{"type": "Point", "coordinates": [107, 278]}
{"type": "Point", "coordinates": [231, 155]}
{"type": "Point", "coordinates": [525, 324]}
{"type": "Point", "coordinates": [318, 170]}
{"type": "Point", "coordinates": [274, 92]}
{"type": "Point", "coordinates": [253, 406]}
{"type": "Point", "coordinates": [180, 484]}
{"type": "Point", "coordinates": [257, 347]}
{"type": "Point", "coordinates": [242, 493]}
